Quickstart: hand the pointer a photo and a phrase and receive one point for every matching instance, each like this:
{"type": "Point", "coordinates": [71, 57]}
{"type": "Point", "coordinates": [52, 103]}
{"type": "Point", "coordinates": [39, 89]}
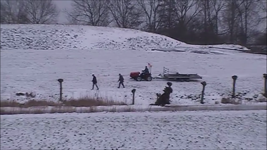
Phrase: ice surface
{"type": "Point", "coordinates": [33, 57]}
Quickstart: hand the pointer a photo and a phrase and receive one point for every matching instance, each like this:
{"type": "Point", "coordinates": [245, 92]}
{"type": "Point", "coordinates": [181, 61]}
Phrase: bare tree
{"type": "Point", "coordinates": [41, 11]}
{"type": "Point", "coordinates": [241, 17]}
{"type": "Point", "coordinates": [176, 17]}
{"type": "Point", "coordinates": [149, 9]}
{"type": "Point", "coordinates": [90, 12]}
{"type": "Point", "coordinates": [3, 16]}
{"type": "Point", "coordinates": [2, 11]}
{"type": "Point", "coordinates": [218, 6]}
{"type": "Point", "coordinates": [230, 19]}
{"type": "Point", "coordinates": [207, 12]}
{"type": "Point", "coordinates": [167, 17]}
{"type": "Point", "coordinates": [262, 9]}
{"type": "Point", "coordinates": [13, 11]}
{"type": "Point", "coordinates": [248, 18]}
{"type": "Point", "coordinates": [210, 10]}
{"type": "Point", "coordinates": [185, 11]}
{"type": "Point", "coordinates": [124, 13]}
{"type": "Point", "coordinates": [28, 11]}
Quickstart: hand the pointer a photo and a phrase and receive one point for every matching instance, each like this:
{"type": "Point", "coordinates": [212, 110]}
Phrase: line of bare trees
{"type": "Point", "coordinates": [191, 21]}
{"type": "Point", "coordinates": [28, 11]}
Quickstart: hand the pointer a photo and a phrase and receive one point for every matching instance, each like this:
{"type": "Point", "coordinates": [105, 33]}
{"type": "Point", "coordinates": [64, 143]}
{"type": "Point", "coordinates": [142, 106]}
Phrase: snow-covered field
{"type": "Point", "coordinates": [33, 57]}
{"type": "Point", "coordinates": [65, 37]}
{"type": "Point", "coordinates": [162, 130]}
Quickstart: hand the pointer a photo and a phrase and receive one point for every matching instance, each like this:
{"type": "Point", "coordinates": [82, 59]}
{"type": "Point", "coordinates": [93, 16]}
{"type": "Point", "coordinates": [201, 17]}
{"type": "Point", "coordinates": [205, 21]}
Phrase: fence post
{"type": "Point", "coordinates": [133, 91]}
{"type": "Point", "coordinates": [234, 77]}
{"type": "Point", "coordinates": [60, 89]}
{"type": "Point", "coordinates": [265, 84]}
{"type": "Point", "coordinates": [203, 92]}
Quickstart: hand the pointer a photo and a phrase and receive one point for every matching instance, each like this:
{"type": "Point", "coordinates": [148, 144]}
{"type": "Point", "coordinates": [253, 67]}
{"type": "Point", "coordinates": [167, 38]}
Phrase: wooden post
{"type": "Point", "coordinates": [265, 84]}
{"type": "Point", "coordinates": [234, 77]}
{"type": "Point", "coordinates": [203, 92]}
{"type": "Point", "coordinates": [60, 89]}
{"type": "Point", "coordinates": [133, 91]}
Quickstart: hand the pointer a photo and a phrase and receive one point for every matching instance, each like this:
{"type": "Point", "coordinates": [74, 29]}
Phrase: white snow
{"type": "Point", "coordinates": [33, 57]}
{"type": "Point", "coordinates": [162, 130]}
{"type": "Point", "coordinates": [66, 37]}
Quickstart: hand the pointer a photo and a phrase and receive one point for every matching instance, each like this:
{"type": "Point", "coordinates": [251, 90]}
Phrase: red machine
{"type": "Point", "coordinates": [140, 76]}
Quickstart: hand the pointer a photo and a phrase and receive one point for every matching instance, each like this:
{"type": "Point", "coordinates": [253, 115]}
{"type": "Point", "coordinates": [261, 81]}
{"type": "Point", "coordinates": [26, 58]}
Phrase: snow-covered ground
{"type": "Point", "coordinates": [162, 130]}
{"type": "Point", "coordinates": [33, 57]}
{"type": "Point", "coordinates": [55, 37]}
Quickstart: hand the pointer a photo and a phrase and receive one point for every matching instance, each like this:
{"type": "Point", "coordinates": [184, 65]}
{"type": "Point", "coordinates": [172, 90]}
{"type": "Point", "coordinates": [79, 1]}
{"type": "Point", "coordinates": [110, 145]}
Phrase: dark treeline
{"type": "Point", "coordinates": [190, 21]}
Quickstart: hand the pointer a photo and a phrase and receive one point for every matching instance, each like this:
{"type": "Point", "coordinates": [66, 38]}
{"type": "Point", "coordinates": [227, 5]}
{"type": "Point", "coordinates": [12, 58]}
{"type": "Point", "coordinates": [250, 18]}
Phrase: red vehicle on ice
{"type": "Point", "coordinates": [138, 76]}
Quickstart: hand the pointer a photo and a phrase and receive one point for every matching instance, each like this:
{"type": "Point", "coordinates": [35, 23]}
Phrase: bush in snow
{"type": "Point", "coordinates": [230, 101]}
{"type": "Point", "coordinates": [81, 102]}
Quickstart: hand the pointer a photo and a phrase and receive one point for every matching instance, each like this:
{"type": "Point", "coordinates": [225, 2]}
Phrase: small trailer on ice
{"type": "Point", "coordinates": [138, 76]}
{"type": "Point", "coordinates": [178, 76]}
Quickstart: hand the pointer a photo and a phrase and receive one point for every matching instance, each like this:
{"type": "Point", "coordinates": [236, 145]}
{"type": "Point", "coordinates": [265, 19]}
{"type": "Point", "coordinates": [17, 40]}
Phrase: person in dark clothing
{"type": "Point", "coordinates": [168, 90]}
{"type": "Point", "coordinates": [94, 82]}
{"type": "Point", "coordinates": [121, 80]}
{"type": "Point", "coordinates": [145, 72]}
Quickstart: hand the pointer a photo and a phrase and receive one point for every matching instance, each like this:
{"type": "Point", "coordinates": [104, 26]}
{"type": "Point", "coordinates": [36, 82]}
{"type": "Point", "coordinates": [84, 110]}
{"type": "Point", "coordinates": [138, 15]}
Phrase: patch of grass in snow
{"type": "Point", "coordinates": [230, 101]}
{"type": "Point", "coordinates": [81, 102]}
{"type": "Point", "coordinates": [30, 103]}
{"type": "Point", "coordinates": [126, 109]}
{"type": "Point", "coordinates": [64, 109]}
{"type": "Point", "coordinates": [88, 102]}
{"type": "Point", "coordinates": [116, 109]}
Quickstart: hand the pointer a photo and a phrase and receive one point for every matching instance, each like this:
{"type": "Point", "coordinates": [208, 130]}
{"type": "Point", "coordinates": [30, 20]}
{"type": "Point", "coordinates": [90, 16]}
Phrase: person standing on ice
{"type": "Point", "coordinates": [168, 90]}
{"type": "Point", "coordinates": [94, 82]}
{"type": "Point", "coordinates": [121, 80]}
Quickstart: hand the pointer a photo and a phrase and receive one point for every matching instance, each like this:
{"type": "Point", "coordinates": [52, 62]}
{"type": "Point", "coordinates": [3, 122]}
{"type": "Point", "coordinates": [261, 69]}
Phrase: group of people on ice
{"type": "Point", "coordinates": [121, 82]}
{"type": "Point", "coordinates": [162, 99]}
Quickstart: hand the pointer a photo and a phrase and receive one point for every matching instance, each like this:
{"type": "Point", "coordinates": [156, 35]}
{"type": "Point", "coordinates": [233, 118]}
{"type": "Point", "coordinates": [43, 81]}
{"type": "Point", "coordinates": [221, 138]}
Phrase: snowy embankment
{"type": "Point", "coordinates": [67, 37]}
{"type": "Point", "coordinates": [74, 37]}
{"type": "Point", "coordinates": [33, 57]}
{"type": "Point", "coordinates": [162, 130]}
